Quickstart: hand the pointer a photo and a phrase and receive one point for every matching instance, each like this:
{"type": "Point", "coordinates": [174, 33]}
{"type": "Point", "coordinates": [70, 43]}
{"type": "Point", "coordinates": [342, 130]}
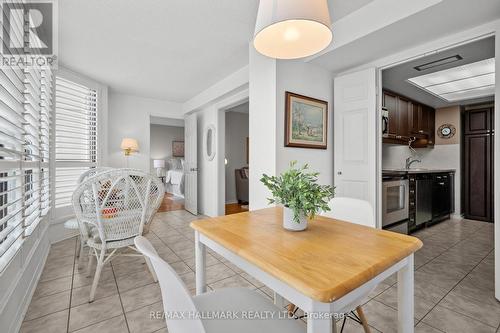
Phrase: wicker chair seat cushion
{"type": "Point", "coordinates": [96, 243]}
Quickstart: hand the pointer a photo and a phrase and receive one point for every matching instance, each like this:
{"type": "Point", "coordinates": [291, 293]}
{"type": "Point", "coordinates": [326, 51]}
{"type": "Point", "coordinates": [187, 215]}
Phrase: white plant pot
{"type": "Point", "coordinates": [290, 224]}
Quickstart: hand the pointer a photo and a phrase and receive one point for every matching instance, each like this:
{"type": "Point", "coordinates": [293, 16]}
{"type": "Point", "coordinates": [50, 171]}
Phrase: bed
{"type": "Point", "coordinates": [174, 177]}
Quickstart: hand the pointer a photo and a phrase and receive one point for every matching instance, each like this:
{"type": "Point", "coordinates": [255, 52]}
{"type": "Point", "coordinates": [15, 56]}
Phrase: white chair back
{"type": "Point", "coordinates": [175, 295]}
{"type": "Point", "coordinates": [351, 210]}
{"type": "Point", "coordinates": [118, 202]}
{"type": "Point", "coordinates": [91, 173]}
{"type": "Point", "coordinates": [84, 230]}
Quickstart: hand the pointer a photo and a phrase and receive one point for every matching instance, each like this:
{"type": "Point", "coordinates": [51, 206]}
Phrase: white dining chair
{"type": "Point", "coordinates": [115, 205]}
{"type": "Point", "coordinates": [237, 301]}
{"type": "Point", "coordinates": [351, 210]}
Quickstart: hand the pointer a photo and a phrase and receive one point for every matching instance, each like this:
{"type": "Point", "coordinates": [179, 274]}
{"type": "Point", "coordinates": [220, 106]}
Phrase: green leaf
{"type": "Point", "coordinates": [298, 189]}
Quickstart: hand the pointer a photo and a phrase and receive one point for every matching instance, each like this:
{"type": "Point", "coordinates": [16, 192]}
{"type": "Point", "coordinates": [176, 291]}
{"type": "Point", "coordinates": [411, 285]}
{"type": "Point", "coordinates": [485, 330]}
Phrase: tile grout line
{"type": "Point", "coordinates": [421, 320]}
{"type": "Point", "coordinates": [439, 255]}
{"type": "Point", "coordinates": [71, 289]}
{"type": "Point", "coordinates": [119, 296]}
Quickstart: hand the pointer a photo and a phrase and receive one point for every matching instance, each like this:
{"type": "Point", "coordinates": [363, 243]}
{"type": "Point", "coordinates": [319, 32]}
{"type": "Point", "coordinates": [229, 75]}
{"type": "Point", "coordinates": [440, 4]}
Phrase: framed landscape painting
{"type": "Point", "coordinates": [178, 148]}
{"type": "Point", "coordinates": [306, 121]}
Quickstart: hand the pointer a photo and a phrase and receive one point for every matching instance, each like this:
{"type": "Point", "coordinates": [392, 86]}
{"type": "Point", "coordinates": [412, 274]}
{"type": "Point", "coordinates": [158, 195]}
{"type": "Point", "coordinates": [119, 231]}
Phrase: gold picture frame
{"type": "Point", "coordinates": [306, 122]}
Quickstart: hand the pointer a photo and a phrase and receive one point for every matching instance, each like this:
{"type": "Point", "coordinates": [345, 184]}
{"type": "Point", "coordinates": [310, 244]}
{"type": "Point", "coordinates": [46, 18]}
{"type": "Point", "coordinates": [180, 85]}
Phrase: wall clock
{"type": "Point", "coordinates": [446, 131]}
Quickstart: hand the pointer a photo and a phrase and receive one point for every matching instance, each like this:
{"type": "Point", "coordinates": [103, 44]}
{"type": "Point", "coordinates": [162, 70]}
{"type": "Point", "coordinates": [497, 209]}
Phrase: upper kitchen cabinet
{"type": "Point", "coordinates": [404, 109]}
{"type": "Point", "coordinates": [390, 102]}
{"type": "Point", "coordinates": [408, 118]}
{"type": "Point", "coordinates": [478, 121]}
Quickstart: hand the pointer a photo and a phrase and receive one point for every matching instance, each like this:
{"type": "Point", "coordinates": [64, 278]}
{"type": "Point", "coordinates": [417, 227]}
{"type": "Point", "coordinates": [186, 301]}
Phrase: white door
{"type": "Point", "coordinates": [355, 122]}
{"type": "Point", "coordinates": [191, 165]}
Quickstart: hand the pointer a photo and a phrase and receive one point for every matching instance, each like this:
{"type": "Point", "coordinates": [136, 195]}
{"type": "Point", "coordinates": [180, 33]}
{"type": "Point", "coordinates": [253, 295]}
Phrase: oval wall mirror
{"type": "Point", "coordinates": [210, 142]}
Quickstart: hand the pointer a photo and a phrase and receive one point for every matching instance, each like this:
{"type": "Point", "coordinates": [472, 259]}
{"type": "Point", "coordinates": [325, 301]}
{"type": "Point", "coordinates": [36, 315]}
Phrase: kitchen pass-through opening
{"type": "Point", "coordinates": [437, 138]}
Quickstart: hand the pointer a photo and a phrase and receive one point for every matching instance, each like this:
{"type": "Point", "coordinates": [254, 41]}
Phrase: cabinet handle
{"type": "Point", "coordinates": [442, 183]}
{"type": "Point", "coordinates": [421, 131]}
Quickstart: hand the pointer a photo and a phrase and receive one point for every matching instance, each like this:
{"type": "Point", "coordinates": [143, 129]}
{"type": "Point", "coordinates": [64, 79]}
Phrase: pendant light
{"type": "Point", "coordinates": [291, 29]}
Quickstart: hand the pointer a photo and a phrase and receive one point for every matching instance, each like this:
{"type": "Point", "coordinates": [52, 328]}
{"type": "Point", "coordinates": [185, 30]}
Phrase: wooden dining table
{"type": "Point", "coordinates": [322, 270]}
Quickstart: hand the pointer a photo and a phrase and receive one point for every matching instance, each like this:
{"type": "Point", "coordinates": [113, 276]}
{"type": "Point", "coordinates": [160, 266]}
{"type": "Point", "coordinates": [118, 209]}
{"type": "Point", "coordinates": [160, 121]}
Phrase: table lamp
{"type": "Point", "coordinates": [159, 165]}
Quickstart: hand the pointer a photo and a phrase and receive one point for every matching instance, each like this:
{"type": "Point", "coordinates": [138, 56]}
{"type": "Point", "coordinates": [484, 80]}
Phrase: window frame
{"type": "Point", "coordinates": [61, 214]}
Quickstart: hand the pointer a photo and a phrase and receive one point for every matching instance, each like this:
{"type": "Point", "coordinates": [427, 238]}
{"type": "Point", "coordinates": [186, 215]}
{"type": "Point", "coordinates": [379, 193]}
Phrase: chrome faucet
{"type": "Point", "coordinates": [409, 162]}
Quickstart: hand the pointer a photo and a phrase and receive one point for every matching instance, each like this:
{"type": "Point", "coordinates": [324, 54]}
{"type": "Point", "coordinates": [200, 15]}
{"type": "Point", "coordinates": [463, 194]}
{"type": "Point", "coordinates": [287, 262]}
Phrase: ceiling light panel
{"type": "Point", "coordinates": [463, 82]}
{"type": "Point", "coordinates": [470, 94]}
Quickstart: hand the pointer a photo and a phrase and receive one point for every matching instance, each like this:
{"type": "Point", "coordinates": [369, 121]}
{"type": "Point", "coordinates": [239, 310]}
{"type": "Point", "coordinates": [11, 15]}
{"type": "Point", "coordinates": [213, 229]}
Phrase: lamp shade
{"type": "Point", "coordinates": [158, 164]}
{"type": "Point", "coordinates": [129, 144]}
{"type": "Point", "coordinates": [291, 29]}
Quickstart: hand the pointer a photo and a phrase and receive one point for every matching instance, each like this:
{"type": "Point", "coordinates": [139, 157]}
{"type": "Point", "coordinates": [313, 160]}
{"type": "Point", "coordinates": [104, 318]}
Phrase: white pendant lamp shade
{"type": "Point", "coordinates": [291, 29]}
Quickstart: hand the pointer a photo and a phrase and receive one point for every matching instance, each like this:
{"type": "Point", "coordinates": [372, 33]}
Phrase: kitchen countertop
{"type": "Point", "coordinates": [415, 170]}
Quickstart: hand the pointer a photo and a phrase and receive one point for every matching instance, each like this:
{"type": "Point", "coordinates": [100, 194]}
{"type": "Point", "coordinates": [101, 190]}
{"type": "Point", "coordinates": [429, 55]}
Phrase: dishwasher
{"type": "Point", "coordinates": [423, 199]}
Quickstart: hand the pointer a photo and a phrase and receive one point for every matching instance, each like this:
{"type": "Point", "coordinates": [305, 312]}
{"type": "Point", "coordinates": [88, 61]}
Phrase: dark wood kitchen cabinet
{"type": "Point", "coordinates": [415, 118]}
{"type": "Point", "coordinates": [478, 163]}
{"type": "Point", "coordinates": [404, 108]}
{"type": "Point", "coordinates": [408, 118]}
{"type": "Point", "coordinates": [390, 102]}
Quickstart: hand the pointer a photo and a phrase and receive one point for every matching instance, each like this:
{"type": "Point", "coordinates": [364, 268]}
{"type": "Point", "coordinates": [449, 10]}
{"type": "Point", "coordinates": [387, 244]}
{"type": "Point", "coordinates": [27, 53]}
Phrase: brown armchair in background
{"type": "Point", "coordinates": [241, 180]}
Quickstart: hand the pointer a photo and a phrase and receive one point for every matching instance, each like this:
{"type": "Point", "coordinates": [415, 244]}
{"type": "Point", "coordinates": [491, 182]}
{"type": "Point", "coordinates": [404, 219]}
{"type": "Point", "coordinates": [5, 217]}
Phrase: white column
{"type": "Point", "coordinates": [262, 125]}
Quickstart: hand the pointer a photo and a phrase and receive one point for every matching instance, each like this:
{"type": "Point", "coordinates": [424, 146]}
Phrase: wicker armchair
{"type": "Point", "coordinates": [115, 205]}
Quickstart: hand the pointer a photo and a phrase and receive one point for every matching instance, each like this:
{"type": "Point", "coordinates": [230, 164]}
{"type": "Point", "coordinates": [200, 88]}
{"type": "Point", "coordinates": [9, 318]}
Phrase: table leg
{"type": "Point", "coordinates": [320, 320]}
{"type": "Point", "coordinates": [279, 301]}
{"type": "Point", "coordinates": [200, 262]}
{"type": "Point", "coordinates": [405, 297]}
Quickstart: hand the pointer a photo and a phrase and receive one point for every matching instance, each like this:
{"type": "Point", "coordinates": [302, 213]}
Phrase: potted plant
{"type": "Point", "coordinates": [300, 194]}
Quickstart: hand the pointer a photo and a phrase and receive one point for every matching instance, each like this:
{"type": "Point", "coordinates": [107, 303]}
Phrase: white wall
{"type": "Point", "coordinates": [235, 144]}
{"type": "Point", "coordinates": [312, 81]}
{"type": "Point", "coordinates": [161, 138]}
{"type": "Point", "coordinates": [439, 157]}
{"type": "Point", "coordinates": [129, 116]}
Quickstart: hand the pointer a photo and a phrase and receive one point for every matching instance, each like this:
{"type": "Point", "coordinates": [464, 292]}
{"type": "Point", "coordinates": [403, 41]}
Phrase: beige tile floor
{"type": "Point", "coordinates": [453, 284]}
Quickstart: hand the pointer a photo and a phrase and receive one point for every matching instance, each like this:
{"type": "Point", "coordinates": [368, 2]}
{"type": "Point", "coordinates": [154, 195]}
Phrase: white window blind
{"type": "Point", "coordinates": [75, 136]}
{"type": "Point", "coordinates": [25, 120]}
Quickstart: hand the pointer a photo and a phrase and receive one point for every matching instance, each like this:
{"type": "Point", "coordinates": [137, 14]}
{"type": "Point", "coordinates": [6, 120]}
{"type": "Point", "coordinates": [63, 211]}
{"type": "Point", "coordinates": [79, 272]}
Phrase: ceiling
{"type": "Point", "coordinates": [242, 108]}
{"type": "Point", "coordinates": [440, 20]}
{"type": "Point", "coordinates": [168, 50]}
{"type": "Point", "coordinates": [395, 78]}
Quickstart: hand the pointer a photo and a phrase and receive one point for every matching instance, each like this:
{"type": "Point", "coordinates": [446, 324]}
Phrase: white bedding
{"type": "Point", "coordinates": [174, 182]}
